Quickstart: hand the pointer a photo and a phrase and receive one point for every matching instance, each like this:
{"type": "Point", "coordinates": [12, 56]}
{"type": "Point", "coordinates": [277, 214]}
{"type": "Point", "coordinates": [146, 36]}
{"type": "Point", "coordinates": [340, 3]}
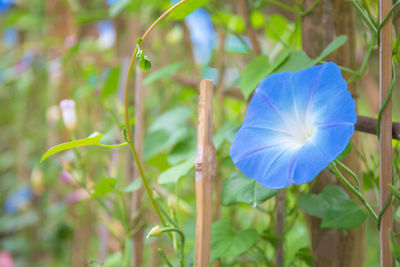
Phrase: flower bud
{"type": "Point", "coordinates": [156, 231]}
{"type": "Point", "coordinates": [77, 196]}
{"type": "Point", "coordinates": [6, 259]}
{"type": "Point", "coordinates": [65, 177]}
{"type": "Point", "coordinates": [68, 113]}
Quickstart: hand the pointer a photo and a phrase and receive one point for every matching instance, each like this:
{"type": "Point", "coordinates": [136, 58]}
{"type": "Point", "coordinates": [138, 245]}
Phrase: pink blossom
{"type": "Point", "coordinates": [68, 113]}
{"type": "Point", "coordinates": [6, 259]}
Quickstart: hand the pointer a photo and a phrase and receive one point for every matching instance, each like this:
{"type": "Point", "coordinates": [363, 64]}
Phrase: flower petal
{"type": "Point", "coordinates": [296, 124]}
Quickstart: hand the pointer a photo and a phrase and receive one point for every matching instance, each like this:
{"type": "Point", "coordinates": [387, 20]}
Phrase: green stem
{"type": "Point", "coordinates": [182, 236]}
{"type": "Point", "coordinates": [354, 191]}
{"type": "Point", "coordinates": [385, 19]}
{"type": "Point", "coordinates": [311, 8]}
{"type": "Point", "coordinates": [164, 256]}
{"type": "Point", "coordinates": [378, 125]}
{"type": "Point", "coordinates": [364, 16]}
{"type": "Point", "coordinates": [128, 128]}
{"type": "Point", "coordinates": [284, 6]}
{"type": "Point", "coordinates": [352, 174]}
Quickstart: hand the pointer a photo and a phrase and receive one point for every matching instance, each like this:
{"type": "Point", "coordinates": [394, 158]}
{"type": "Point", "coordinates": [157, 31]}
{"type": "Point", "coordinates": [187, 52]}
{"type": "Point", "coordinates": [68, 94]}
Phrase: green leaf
{"type": "Point", "coordinates": [305, 255]}
{"type": "Point", "coordinates": [168, 129]}
{"type": "Point", "coordinates": [276, 27]}
{"type": "Point", "coordinates": [227, 132]}
{"type": "Point", "coordinates": [257, 70]}
{"type": "Point", "coordinates": [171, 119]}
{"type": "Point", "coordinates": [317, 205]}
{"type": "Point", "coordinates": [93, 139]}
{"type": "Point", "coordinates": [226, 243]}
{"type": "Point", "coordinates": [143, 61]}
{"type": "Point", "coordinates": [110, 85]}
{"type": "Point", "coordinates": [104, 187]}
{"type": "Point", "coordinates": [344, 215]}
{"type": "Point", "coordinates": [186, 8]}
{"type": "Point", "coordinates": [132, 187]}
{"type": "Point", "coordinates": [128, 248]}
{"type": "Point", "coordinates": [173, 174]}
{"type": "Point", "coordinates": [345, 152]}
{"type": "Point", "coordinates": [238, 188]}
{"type": "Point", "coordinates": [163, 72]}
{"type": "Point", "coordinates": [334, 45]}
{"type": "Point", "coordinates": [298, 60]}
{"type": "Point", "coordinates": [253, 74]}
{"type": "Point", "coordinates": [313, 205]}
{"type": "Point", "coordinates": [182, 151]}
{"type": "Point", "coordinates": [116, 8]}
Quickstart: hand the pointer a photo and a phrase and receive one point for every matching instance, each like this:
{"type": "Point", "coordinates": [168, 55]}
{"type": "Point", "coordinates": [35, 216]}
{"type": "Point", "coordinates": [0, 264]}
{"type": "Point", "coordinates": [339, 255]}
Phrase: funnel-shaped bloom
{"type": "Point", "coordinates": [296, 124]}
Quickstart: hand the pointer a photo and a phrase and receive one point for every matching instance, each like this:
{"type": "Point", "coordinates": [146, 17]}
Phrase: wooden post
{"type": "Point", "coordinates": [385, 80]}
{"type": "Point", "coordinates": [205, 174]}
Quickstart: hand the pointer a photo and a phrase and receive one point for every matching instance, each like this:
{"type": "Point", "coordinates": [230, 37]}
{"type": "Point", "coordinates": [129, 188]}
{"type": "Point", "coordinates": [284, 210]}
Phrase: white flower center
{"type": "Point", "coordinates": [300, 130]}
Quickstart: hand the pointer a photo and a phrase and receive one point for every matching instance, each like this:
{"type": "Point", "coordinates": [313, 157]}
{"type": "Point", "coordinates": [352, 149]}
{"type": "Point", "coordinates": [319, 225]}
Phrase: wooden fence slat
{"type": "Point", "coordinates": [205, 174]}
{"type": "Point", "coordinates": [385, 80]}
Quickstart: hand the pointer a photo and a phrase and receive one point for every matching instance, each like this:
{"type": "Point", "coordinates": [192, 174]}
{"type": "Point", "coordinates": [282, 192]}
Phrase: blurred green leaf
{"type": "Point", "coordinates": [305, 255]}
{"type": "Point", "coordinates": [332, 47]}
{"type": "Point", "coordinates": [257, 70]}
{"type": "Point", "coordinates": [276, 27]}
{"type": "Point", "coordinates": [113, 260]}
{"type": "Point", "coordinates": [257, 19]}
{"type": "Point", "coordinates": [111, 82]}
{"type": "Point", "coordinates": [334, 207]}
{"type": "Point", "coordinates": [116, 8]}
{"type": "Point", "coordinates": [182, 151]}
{"type": "Point", "coordinates": [238, 188]}
{"type": "Point", "coordinates": [104, 187]}
{"type": "Point", "coordinates": [167, 130]}
{"type": "Point", "coordinates": [298, 60]}
{"type": "Point", "coordinates": [186, 8]}
{"type": "Point", "coordinates": [143, 61]}
{"type": "Point", "coordinates": [226, 243]}
{"type": "Point", "coordinates": [317, 205]}
{"type": "Point", "coordinates": [253, 74]}
{"type": "Point", "coordinates": [345, 152]}
{"type": "Point", "coordinates": [173, 174]}
{"type": "Point", "coordinates": [313, 205]}
{"type": "Point", "coordinates": [132, 187]}
{"type": "Point", "coordinates": [166, 71]}
{"type": "Point", "coordinates": [93, 139]}
{"type": "Point", "coordinates": [394, 246]}
{"type": "Point", "coordinates": [171, 119]}
{"type": "Point", "coordinates": [225, 133]}
{"type": "Point", "coordinates": [344, 215]}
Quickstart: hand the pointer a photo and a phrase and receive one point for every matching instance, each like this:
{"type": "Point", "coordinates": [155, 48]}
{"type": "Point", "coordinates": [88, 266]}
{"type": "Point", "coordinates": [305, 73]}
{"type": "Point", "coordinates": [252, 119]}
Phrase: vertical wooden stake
{"type": "Point", "coordinates": [205, 174]}
{"type": "Point", "coordinates": [385, 80]}
{"type": "Point", "coordinates": [138, 139]}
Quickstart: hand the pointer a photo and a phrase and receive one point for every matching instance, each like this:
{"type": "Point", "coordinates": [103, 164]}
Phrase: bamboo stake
{"type": "Point", "coordinates": [385, 80]}
{"type": "Point", "coordinates": [138, 140]}
{"type": "Point", "coordinates": [205, 174]}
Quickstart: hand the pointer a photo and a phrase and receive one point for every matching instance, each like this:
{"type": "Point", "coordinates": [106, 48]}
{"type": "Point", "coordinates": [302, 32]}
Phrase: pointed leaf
{"type": "Point", "coordinates": [173, 174]}
{"type": "Point", "coordinates": [226, 243]}
{"type": "Point", "coordinates": [93, 139]}
{"type": "Point", "coordinates": [238, 188]}
{"type": "Point", "coordinates": [344, 215]}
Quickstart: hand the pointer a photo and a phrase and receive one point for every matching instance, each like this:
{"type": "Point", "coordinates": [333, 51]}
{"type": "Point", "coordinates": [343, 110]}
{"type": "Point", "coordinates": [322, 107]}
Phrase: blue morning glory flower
{"type": "Point", "coordinates": [18, 199]}
{"type": "Point", "coordinates": [296, 124]}
{"type": "Point", "coordinates": [5, 5]}
{"type": "Point", "coordinates": [202, 35]}
{"type": "Point", "coordinates": [111, 2]}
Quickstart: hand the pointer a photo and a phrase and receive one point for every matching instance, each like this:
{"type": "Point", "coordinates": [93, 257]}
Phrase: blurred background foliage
{"type": "Point", "coordinates": [74, 209]}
